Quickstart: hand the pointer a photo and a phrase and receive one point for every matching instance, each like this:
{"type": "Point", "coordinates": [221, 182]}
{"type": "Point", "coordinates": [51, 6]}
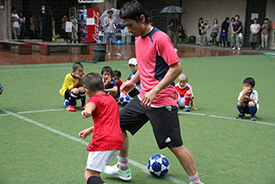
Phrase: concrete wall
{"type": "Point", "coordinates": [270, 13]}
{"type": "Point", "coordinates": [5, 19]}
{"type": "Point", "coordinates": [209, 10]}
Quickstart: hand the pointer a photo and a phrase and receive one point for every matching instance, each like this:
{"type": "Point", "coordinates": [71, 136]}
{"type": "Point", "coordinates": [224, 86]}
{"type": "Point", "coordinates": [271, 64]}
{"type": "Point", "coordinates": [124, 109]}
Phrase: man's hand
{"type": "Point", "coordinates": [148, 99]}
{"type": "Point", "coordinates": [127, 86]}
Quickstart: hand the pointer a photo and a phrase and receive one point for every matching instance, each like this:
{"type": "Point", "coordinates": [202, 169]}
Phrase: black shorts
{"type": "Point", "coordinates": [164, 121]}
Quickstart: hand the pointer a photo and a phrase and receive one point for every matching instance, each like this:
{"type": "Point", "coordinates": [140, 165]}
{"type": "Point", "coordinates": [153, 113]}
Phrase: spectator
{"type": "Point", "coordinates": [181, 33]}
{"type": "Point", "coordinates": [232, 22]}
{"type": "Point", "coordinates": [33, 26]}
{"type": "Point", "coordinates": [215, 32]}
{"type": "Point", "coordinates": [53, 27]}
{"type": "Point", "coordinates": [22, 22]}
{"type": "Point", "coordinates": [265, 33]}
{"type": "Point", "coordinates": [15, 23]}
{"type": "Point", "coordinates": [224, 32]}
{"type": "Point", "coordinates": [173, 24]}
{"type": "Point", "coordinates": [237, 33]}
{"type": "Point", "coordinates": [63, 27]}
{"type": "Point", "coordinates": [74, 36]}
{"type": "Point", "coordinates": [254, 32]}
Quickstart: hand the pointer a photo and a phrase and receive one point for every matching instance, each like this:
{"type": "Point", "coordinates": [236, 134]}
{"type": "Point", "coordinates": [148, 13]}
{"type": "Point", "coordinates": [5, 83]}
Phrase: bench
{"type": "Point", "coordinates": [47, 48]}
{"type": "Point", "coordinates": [16, 46]}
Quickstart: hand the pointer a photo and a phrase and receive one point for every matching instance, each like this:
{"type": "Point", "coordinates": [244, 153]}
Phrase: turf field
{"type": "Point", "coordinates": [39, 141]}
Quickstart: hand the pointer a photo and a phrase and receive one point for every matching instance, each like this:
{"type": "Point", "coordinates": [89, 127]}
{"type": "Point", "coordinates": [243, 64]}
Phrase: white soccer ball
{"type": "Point", "coordinates": [158, 165]}
{"type": "Point", "coordinates": [124, 99]}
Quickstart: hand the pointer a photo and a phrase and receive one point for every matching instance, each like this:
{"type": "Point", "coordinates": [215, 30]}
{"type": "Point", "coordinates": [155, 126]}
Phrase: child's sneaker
{"type": "Point", "coordinates": [66, 102]}
{"type": "Point", "coordinates": [187, 108]}
{"type": "Point", "coordinates": [253, 118]}
{"type": "Point", "coordinates": [83, 107]}
{"type": "Point", "coordinates": [239, 116]}
{"type": "Point", "coordinates": [192, 183]}
{"type": "Point", "coordinates": [116, 171]}
{"type": "Point", "coordinates": [70, 108]}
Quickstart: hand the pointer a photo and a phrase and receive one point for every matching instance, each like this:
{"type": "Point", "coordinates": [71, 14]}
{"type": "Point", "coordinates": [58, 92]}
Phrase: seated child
{"type": "Point", "coordinates": [1, 89]}
{"type": "Point", "coordinates": [72, 88]}
{"type": "Point", "coordinates": [248, 102]}
{"type": "Point", "coordinates": [116, 77]}
{"type": "Point", "coordinates": [107, 139]}
{"type": "Point", "coordinates": [185, 92]}
{"type": "Point", "coordinates": [110, 86]}
{"type": "Point", "coordinates": [134, 67]}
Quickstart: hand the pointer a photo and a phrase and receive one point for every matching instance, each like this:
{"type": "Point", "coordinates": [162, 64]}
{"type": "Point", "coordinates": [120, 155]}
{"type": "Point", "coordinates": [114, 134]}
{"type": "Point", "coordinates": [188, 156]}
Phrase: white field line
{"type": "Point", "coordinates": [46, 110]}
{"type": "Point", "coordinates": [191, 113]}
{"type": "Point", "coordinates": [143, 167]}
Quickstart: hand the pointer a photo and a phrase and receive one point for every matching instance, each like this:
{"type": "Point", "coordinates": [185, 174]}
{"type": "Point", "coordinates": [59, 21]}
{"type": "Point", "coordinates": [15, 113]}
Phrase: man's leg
{"type": "Point", "coordinates": [187, 162]}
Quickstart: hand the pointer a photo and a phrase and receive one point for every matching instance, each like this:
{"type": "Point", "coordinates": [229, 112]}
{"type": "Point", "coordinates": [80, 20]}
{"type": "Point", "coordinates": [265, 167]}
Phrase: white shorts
{"type": "Point", "coordinates": [97, 160]}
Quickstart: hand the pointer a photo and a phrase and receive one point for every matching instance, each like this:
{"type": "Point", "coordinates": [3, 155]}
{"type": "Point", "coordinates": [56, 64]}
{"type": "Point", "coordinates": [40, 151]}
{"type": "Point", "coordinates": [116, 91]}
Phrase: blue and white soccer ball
{"type": "Point", "coordinates": [124, 99]}
{"type": "Point", "coordinates": [158, 165]}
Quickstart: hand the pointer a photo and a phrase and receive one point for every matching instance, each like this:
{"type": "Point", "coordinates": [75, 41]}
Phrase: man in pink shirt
{"type": "Point", "coordinates": [158, 67]}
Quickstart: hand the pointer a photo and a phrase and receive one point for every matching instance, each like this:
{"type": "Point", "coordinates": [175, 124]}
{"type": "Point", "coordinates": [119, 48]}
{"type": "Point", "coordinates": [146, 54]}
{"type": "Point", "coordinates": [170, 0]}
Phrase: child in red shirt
{"type": "Point", "coordinates": [107, 137]}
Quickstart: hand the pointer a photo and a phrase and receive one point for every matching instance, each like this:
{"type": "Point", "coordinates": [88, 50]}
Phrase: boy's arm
{"type": "Point", "coordinates": [84, 133]}
{"type": "Point", "coordinates": [89, 108]}
{"type": "Point", "coordinates": [113, 89]}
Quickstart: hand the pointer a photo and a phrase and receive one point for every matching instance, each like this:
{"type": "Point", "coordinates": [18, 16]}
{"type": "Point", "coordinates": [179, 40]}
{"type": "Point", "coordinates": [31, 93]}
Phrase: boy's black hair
{"type": "Point", "coordinates": [110, 11]}
{"type": "Point", "coordinates": [77, 65]}
{"type": "Point", "coordinates": [249, 80]}
{"type": "Point", "coordinates": [107, 69]}
{"type": "Point", "coordinates": [93, 82]}
{"type": "Point", "coordinates": [116, 73]}
{"type": "Point", "coordinates": [133, 10]}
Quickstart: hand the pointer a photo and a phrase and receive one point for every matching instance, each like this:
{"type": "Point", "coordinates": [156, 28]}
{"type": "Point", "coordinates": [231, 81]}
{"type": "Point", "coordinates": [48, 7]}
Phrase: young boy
{"type": "Point", "coordinates": [107, 136]}
{"type": "Point", "coordinates": [72, 88]}
{"type": "Point", "coordinates": [134, 68]}
{"type": "Point", "coordinates": [185, 92]}
{"type": "Point", "coordinates": [110, 86]}
{"type": "Point", "coordinates": [248, 102]}
{"type": "Point", "coordinates": [116, 77]}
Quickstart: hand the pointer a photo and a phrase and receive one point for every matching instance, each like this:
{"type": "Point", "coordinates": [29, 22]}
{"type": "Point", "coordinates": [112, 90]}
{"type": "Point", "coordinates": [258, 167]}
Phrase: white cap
{"type": "Point", "coordinates": [132, 61]}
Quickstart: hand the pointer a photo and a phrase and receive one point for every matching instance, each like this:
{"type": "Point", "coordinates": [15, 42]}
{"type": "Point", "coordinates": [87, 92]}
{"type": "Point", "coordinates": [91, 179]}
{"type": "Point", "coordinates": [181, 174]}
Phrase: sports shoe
{"type": "Point", "coordinates": [66, 102]}
{"type": "Point", "coordinates": [239, 116]}
{"type": "Point", "coordinates": [115, 171]}
{"type": "Point", "coordinates": [192, 183]}
{"type": "Point", "coordinates": [176, 49]}
{"type": "Point", "coordinates": [239, 49]}
{"type": "Point", "coordinates": [118, 54]}
{"type": "Point", "coordinates": [70, 108]}
{"type": "Point", "coordinates": [253, 118]}
{"type": "Point", "coordinates": [187, 108]}
{"type": "Point", "coordinates": [233, 48]}
{"type": "Point", "coordinates": [83, 107]}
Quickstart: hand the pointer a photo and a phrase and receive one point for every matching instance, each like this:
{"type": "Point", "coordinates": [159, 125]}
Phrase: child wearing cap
{"type": "Point", "coordinates": [134, 67]}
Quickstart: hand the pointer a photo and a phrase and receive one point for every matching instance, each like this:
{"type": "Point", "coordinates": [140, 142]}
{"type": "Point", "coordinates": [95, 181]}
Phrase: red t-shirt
{"type": "Point", "coordinates": [107, 133]}
{"type": "Point", "coordinates": [119, 85]}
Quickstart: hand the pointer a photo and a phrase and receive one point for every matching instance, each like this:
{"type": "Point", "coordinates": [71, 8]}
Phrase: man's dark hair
{"type": "Point", "coordinates": [133, 10]}
{"type": "Point", "coordinates": [77, 65]}
{"type": "Point", "coordinates": [110, 11]}
{"type": "Point", "coordinates": [116, 73]}
{"type": "Point", "coordinates": [93, 82]}
{"type": "Point", "coordinates": [106, 69]}
{"type": "Point", "coordinates": [249, 80]}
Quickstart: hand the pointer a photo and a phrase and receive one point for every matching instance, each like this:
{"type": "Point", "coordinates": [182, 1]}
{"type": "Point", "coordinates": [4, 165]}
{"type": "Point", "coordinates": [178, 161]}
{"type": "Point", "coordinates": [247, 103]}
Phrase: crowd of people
{"type": "Point", "coordinates": [231, 32]}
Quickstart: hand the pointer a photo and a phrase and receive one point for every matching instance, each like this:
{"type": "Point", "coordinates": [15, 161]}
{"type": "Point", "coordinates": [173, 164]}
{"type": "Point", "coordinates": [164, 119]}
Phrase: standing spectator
{"type": "Point", "coordinates": [181, 33]}
{"type": "Point", "coordinates": [63, 27]}
{"type": "Point", "coordinates": [265, 33]}
{"type": "Point", "coordinates": [254, 32]}
{"type": "Point", "coordinates": [224, 32]}
{"type": "Point", "coordinates": [53, 27]}
{"type": "Point", "coordinates": [15, 24]}
{"type": "Point", "coordinates": [215, 32]}
{"type": "Point", "coordinates": [110, 24]}
{"type": "Point", "coordinates": [237, 33]}
{"type": "Point", "coordinates": [74, 36]}
{"type": "Point", "coordinates": [22, 22]}
{"type": "Point", "coordinates": [173, 24]}
{"type": "Point", "coordinates": [33, 26]}
{"type": "Point", "coordinates": [201, 28]}
{"type": "Point", "coordinates": [232, 22]}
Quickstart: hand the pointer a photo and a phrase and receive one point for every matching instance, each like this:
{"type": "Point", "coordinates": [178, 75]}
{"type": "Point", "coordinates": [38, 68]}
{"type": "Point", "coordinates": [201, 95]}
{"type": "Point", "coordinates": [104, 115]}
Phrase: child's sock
{"type": "Point", "coordinates": [188, 98]}
{"type": "Point", "coordinates": [241, 109]}
{"type": "Point", "coordinates": [195, 179]}
{"type": "Point", "coordinates": [123, 163]}
{"type": "Point", "coordinates": [72, 99]}
{"type": "Point", "coordinates": [83, 98]}
{"type": "Point", "coordinates": [95, 180]}
{"type": "Point", "coordinates": [252, 110]}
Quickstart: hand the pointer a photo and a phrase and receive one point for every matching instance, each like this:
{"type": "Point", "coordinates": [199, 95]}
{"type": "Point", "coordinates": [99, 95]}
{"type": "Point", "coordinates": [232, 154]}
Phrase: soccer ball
{"type": "Point", "coordinates": [124, 99]}
{"type": "Point", "coordinates": [158, 165]}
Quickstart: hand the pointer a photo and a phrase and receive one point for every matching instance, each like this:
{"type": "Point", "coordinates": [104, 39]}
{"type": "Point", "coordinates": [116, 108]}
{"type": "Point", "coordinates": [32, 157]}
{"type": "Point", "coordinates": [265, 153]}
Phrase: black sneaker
{"type": "Point", "coordinates": [239, 116]}
{"type": "Point", "coordinates": [253, 118]}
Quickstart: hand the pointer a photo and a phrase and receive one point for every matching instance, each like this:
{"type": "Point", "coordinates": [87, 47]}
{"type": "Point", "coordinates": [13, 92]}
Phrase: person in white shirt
{"type": "Point", "coordinates": [15, 24]}
{"type": "Point", "coordinates": [254, 33]}
{"type": "Point", "coordinates": [248, 101]}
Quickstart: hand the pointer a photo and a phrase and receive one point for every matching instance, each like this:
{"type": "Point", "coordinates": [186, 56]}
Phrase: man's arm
{"type": "Point", "coordinates": [173, 72]}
